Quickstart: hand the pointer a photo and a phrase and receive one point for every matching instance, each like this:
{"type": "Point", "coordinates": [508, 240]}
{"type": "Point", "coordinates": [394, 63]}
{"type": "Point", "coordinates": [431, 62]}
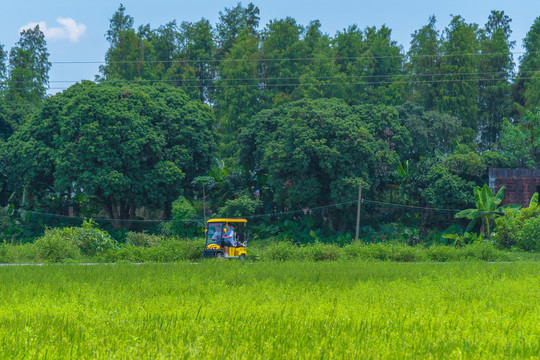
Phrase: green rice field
{"type": "Point", "coordinates": [271, 310]}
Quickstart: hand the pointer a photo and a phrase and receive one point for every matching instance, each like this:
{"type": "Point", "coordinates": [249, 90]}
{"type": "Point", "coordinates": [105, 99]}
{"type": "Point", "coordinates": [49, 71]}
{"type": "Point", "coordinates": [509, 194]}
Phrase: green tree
{"type": "Point", "coordinates": [320, 76]}
{"type": "Point", "coordinates": [28, 78]}
{"type": "Point", "coordinates": [429, 130]}
{"type": "Point", "coordinates": [496, 70]}
{"type": "Point", "coordinates": [315, 152]}
{"type": "Point", "coordinates": [125, 146]}
{"type": "Point", "coordinates": [520, 140]}
{"type": "Point", "coordinates": [424, 64]}
{"type": "Point", "coordinates": [237, 96]}
{"type": "Point", "coordinates": [349, 47]}
{"type": "Point", "coordinates": [281, 44]}
{"type": "Point", "coordinates": [526, 93]}
{"type": "Point", "coordinates": [193, 59]}
{"type": "Point", "coordinates": [458, 91]}
{"type": "Point", "coordinates": [232, 22]}
{"type": "Point", "coordinates": [130, 55]}
{"type": "Point", "coordinates": [3, 67]}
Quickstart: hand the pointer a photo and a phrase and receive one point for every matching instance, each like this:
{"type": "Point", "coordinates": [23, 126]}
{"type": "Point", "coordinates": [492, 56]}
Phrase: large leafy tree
{"type": "Point", "coordinates": [429, 130]}
{"type": "Point", "coordinates": [315, 152]}
{"type": "Point", "coordinates": [124, 146]}
{"type": "Point", "coordinates": [495, 73]}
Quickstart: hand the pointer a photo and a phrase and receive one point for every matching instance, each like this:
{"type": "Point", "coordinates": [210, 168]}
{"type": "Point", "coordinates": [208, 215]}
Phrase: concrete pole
{"type": "Point", "coordinates": [358, 211]}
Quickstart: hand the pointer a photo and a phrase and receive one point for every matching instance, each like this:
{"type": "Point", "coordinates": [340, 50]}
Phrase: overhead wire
{"type": "Point", "coordinates": [337, 57]}
{"type": "Point", "coordinates": [305, 211]}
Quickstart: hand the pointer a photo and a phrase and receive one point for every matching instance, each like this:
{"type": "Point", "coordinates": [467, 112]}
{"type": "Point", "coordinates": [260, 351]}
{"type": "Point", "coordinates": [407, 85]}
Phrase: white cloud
{"type": "Point", "coordinates": [70, 29]}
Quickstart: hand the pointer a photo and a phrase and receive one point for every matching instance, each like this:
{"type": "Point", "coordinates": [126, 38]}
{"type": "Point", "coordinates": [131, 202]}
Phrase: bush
{"type": "Point", "coordinates": [182, 213]}
{"type": "Point", "coordinates": [519, 228]}
{"type": "Point", "coordinates": [54, 246]}
{"type": "Point", "coordinates": [484, 251]}
{"type": "Point", "coordinates": [142, 239]}
{"type": "Point", "coordinates": [442, 253]}
{"type": "Point", "coordinates": [323, 252]}
{"type": "Point", "coordinates": [89, 238]}
{"type": "Point", "coordinates": [281, 251]}
{"type": "Point", "coordinates": [404, 253]}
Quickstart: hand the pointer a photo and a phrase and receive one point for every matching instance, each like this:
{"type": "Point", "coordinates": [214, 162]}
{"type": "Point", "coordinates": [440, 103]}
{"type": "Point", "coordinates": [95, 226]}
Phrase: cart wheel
{"type": "Point", "coordinates": [243, 257]}
{"type": "Point", "coordinates": [219, 255]}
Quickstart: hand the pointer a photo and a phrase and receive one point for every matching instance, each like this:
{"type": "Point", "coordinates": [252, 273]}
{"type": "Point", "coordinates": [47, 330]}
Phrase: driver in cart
{"type": "Point", "coordinates": [228, 239]}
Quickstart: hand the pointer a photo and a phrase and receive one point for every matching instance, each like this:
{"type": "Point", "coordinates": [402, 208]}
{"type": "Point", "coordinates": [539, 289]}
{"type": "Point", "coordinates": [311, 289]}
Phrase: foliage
{"type": "Point", "coordinates": [57, 246]}
{"type": "Point", "coordinates": [183, 214]}
{"type": "Point", "coordinates": [142, 239]}
{"type": "Point", "coordinates": [487, 208]}
{"type": "Point", "coordinates": [446, 190]}
{"type": "Point", "coordinates": [241, 206]}
{"type": "Point", "coordinates": [316, 152]}
{"type": "Point", "coordinates": [521, 228]}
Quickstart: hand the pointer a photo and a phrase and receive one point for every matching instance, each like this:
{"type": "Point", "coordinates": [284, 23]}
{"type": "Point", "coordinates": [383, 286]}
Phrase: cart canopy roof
{"type": "Point", "coordinates": [227, 221]}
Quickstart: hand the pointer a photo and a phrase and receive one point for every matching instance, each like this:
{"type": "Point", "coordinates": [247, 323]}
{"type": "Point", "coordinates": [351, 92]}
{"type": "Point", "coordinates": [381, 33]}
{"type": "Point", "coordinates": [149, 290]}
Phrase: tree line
{"type": "Point", "coordinates": [267, 119]}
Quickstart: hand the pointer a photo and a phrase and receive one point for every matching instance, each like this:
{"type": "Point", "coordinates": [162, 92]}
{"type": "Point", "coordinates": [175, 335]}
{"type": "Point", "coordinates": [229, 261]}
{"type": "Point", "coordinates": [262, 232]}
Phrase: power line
{"type": "Point", "coordinates": [287, 78]}
{"type": "Point", "coordinates": [264, 86]}
{"type": "Point", "coordinates": [305, 211]}
{"type": "Point", "coordinates": [337, 57]}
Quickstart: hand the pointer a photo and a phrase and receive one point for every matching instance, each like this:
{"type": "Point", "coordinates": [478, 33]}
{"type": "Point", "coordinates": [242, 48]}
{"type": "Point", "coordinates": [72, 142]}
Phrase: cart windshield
{"type": "Point", "coordinates": [214, 233]}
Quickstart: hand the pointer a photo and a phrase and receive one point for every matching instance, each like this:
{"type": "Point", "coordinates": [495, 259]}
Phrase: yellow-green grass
{"type": "Point", "coordinates": [268, 310]}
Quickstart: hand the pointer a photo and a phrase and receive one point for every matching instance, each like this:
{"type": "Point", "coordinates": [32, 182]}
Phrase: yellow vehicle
{"type": "Point", "coordinates": [217, 239]}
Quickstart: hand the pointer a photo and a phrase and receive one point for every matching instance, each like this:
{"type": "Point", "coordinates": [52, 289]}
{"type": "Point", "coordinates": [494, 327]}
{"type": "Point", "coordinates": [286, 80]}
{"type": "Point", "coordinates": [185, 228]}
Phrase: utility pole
{"type": "Point", "coordinates": [204, 206]}
{"type": "Point", "coordinates": [358, 211]}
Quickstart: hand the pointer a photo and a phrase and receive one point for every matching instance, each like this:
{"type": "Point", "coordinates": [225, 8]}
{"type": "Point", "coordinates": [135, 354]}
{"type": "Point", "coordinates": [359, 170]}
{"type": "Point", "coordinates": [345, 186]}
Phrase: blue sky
{"type": "Point", "coordinates": [75, 29]}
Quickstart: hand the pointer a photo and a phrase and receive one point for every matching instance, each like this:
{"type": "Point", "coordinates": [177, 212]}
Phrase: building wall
{"type": "Point", "coordinates": [521, 184]}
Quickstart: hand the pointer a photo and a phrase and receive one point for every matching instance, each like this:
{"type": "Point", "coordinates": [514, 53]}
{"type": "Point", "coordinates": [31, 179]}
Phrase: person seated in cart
{"type": "Point", "coordinates": [228, 239]}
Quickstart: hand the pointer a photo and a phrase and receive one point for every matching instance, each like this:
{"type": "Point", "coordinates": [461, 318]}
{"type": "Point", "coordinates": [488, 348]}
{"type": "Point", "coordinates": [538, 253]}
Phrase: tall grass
{"type": "Point", "coordinates": [271, 310]}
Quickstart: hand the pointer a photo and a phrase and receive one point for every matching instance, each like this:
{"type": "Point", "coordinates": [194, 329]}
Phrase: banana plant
{"type": "Point", "coordinates": [487, 208]}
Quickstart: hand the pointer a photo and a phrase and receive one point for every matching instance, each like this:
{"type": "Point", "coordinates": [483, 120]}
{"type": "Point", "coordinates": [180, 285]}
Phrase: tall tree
{"type": "Point", "coordinates": [237, 95]}
{"type": "Point", "coordinates": [349, 47]}
{"type": "Point", "coordinates": [424, 64]}
{"type": "Point", "coordinates": [130, 55]}
{"type": "Point", "coordinates": [284, 52]}
{"type": "Point", "coordinates": [3, 67]}
{"type": "Point", "coordinates": [29, 68]}
{"type": "Point", "coordinates": [320, 75]}
{"type": "Point", "coordinates": [458, 91]}
{"type": "Point", "coordinates": [495, 73]}
{"type": "Point", "coordinates": [194, 56]}
{"type": "Point", "coordinates": [232, 22]}
{"type": "Point", "coordinates": [526, 88]}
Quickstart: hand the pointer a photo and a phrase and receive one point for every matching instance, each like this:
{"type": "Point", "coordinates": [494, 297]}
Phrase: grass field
{"type": "Point", "coordinates": [271, 310]}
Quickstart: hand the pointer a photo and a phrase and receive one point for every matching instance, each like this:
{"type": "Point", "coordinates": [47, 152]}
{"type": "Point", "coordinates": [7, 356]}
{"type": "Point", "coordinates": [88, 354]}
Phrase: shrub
{"type": "Point", "coordinates": [90, 239]}
{"type": "Point", "coordinates": [519, 228]}
{"type": "Point", "coordinates": [442, 253]}
{"type": "Point", "coordinates": [281, 251]}
{"type": "Point", "coordinates": [404, 253]}
{"type": "Point", "coordinates": [323, 252]}
{"type": "Point", "coordinates": [54, 246]}
{"type": "Point", "coordinates": [182, 213]}
{"type": "Point", "coordinates": [484, 251]}
{"type": "Point", "coordinates": [142, 239]}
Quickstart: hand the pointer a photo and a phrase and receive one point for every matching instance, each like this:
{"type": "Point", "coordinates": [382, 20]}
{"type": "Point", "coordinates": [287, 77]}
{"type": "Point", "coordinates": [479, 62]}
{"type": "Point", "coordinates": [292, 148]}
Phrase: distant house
{"type": "Point", "coordinates": [520, 184]}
